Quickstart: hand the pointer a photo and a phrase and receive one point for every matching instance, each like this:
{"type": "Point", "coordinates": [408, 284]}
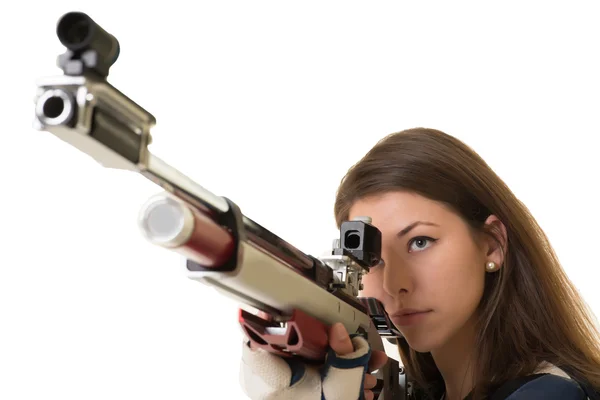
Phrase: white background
{"type": "Point", "coordinates": [267, 103]}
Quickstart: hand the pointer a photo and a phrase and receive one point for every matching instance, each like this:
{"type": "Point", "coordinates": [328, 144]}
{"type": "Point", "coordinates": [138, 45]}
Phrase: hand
{"type": "Point", "coordinates": [344, 374]}
{"type": "Point", "coordinates": [340, 342]}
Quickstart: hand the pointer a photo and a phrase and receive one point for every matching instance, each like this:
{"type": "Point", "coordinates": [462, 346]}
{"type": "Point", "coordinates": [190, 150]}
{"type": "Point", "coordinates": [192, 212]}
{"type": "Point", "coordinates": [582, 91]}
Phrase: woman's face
{"type": "Point", "coordinates": [432, 264]}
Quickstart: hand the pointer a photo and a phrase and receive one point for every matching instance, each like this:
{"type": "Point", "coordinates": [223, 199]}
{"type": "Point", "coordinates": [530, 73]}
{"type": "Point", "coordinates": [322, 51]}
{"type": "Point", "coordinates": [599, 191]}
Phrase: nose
{"type": "Point", "coordinates": [396, 277]}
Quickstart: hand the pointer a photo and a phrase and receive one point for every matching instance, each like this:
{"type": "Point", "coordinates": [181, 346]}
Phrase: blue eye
{"type": "Point", "coordinates": [421, 243]}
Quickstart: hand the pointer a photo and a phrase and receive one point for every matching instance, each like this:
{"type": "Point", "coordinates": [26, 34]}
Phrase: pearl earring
{"type": "Point", "coordinates": [491, 266]}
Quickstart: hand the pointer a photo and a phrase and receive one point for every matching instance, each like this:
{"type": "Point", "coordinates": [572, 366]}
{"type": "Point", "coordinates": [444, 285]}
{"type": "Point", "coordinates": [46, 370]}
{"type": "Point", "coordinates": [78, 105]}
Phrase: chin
{"type": "Point", "coordinates": [419, 346]}
{"type": "Point", "coordinates": [422, 343]}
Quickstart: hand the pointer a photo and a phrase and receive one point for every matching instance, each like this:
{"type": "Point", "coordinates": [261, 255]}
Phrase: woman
{"type": "Point", "coordinates": [469, 277]}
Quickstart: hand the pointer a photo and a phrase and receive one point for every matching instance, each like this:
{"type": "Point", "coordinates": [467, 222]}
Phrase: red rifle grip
{"type": "Point", "coordinates": [302, 335]}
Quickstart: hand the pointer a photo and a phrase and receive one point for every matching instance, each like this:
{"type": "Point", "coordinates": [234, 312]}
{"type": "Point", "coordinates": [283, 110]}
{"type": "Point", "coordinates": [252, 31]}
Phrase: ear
{"type": "Point", "coordinates": [495, 250]}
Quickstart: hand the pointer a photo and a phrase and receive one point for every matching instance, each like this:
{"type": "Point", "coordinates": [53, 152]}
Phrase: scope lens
{"type": "Point", "coordinates": [352, 240]}
{"type": "Point", "coordinates": [74, 29]}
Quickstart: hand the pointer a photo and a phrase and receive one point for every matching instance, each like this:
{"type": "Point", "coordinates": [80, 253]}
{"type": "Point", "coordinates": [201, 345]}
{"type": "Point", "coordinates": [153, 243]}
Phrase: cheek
{"type": "Point", "coordinates": [458, 279]}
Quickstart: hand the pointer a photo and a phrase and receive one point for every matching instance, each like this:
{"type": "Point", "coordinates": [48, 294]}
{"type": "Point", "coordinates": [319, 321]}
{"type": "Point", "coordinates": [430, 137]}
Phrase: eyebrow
{"type": "Point", "coordinates": [411, 226]}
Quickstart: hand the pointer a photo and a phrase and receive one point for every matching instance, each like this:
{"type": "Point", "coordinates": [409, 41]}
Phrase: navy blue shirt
{"type": "Point", "coordinates": [549, 387]}
{"type": "Point", "coordinates": [543, 386]}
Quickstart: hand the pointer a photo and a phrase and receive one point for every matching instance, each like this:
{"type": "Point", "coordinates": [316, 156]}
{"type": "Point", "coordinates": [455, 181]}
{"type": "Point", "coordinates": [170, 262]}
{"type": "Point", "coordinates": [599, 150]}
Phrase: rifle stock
{"type": "Point", "coordinates": [301, 295]}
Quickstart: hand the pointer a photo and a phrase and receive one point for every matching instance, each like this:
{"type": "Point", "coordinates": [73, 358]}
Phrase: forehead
{"type": "Point", "coordinates": [395, 208]}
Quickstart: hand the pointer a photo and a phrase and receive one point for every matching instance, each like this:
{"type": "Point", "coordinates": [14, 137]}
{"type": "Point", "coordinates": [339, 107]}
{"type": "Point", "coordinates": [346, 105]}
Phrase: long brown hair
{"type": "Point", "coordinates": [530, 311]}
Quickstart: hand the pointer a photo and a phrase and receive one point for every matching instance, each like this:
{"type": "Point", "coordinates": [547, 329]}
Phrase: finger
{"type": "Point", "coordinates": [369, 395]}
{"type": "Point", "coordinates": [339, 340]}
{"type": "Point", "coordinates": [377, 360]}
{"type": "Point", "coordinates": [370, 381]}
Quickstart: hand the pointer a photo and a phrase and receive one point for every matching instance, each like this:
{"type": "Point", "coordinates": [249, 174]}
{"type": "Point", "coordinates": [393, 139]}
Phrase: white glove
{"type": "Point", "coordinates": [266, 376]}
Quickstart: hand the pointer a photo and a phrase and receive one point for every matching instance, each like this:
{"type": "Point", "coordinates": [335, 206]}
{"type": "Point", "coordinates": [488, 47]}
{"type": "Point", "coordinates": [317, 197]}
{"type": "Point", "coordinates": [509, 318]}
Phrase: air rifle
{"type": "Point", "coordinates": [298, 295]}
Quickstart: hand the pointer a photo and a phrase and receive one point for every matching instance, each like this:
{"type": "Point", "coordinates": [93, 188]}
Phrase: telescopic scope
{"type": "Point", "coordinates": [87, 41]}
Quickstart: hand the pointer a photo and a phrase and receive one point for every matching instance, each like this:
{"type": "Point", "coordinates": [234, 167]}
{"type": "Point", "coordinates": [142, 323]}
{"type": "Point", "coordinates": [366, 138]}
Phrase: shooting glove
{"type": "Point", "coordinates": [266, 376]}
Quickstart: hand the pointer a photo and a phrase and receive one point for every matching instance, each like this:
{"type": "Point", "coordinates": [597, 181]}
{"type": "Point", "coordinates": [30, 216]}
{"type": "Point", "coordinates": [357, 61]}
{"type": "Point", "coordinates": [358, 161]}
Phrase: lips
{"type": "Point", "coordinates": [407, 316]}
{"type": "Point", "coordinates": [408, 311]}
